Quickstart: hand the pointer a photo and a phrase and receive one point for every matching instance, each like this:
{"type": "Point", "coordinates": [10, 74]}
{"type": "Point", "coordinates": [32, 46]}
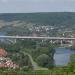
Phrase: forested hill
{"type": "Point", "coordinates": [51, 18]}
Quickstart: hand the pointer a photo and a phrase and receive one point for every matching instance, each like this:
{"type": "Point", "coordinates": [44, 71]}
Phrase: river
{"type": "Point", "coordinates": [62, 56]}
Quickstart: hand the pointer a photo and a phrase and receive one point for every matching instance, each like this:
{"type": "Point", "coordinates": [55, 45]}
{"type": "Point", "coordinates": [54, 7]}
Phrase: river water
{"type": "Point", "coordinates": [62, 56]}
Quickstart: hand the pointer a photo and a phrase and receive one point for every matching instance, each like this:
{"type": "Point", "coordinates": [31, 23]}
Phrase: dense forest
{"type": "Point", "coordinates": [52, 18]}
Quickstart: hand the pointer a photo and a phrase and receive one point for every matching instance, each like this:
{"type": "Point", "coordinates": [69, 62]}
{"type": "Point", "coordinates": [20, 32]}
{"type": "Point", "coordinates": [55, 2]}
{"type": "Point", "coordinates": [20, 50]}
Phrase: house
{"type": "Point", "coordinates": [6, 62]}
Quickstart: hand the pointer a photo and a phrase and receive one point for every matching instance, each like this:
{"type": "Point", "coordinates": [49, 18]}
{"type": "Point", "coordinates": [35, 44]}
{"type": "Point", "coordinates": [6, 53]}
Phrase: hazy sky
{"type": "Point", "coordinates": [24, 6]}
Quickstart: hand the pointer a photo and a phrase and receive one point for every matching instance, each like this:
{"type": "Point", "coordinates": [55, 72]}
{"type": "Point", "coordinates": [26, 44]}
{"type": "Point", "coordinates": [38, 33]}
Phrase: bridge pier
{"type": "Point", "coordinates": [51, 41]}
{"type": "Point", "coordinates": [71, 42]}
{"type": "Point", "coordinates": [15, 40]}
{"type": "Point", "coordinates": [61, 42]}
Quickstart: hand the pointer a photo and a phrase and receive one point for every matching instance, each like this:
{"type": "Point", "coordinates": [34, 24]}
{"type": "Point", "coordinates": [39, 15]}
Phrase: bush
{"type": "Point", "coordinates": [43, 60]}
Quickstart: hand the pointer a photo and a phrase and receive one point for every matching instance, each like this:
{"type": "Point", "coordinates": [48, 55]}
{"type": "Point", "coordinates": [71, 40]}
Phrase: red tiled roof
{"type": "Point", "coordinates": [9, 63]}
{"type": "Point", "coordinates": [3, 53]}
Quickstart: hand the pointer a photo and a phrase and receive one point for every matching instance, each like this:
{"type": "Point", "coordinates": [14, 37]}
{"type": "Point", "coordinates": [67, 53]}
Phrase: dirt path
{"type": "Point", "coordinates": [34, 64]}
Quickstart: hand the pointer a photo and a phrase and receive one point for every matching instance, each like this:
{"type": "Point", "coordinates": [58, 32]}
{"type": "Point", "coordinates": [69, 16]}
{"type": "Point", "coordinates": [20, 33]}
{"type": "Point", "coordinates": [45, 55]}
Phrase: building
{"type": "Point", "coordinates": [3, 53]}
{"type": "Point", "coordinates": [6, 62]}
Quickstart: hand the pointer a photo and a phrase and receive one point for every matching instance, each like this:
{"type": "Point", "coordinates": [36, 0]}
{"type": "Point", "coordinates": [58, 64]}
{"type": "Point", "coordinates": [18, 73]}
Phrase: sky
{"type": "Point", "coordinates": [28, 6]}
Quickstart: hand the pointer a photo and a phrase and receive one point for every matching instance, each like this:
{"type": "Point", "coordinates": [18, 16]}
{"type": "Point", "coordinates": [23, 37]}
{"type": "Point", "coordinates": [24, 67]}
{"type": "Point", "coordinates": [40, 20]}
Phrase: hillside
{"type": "Point", "coordinates": [41, 23]}
{"type": "Point", "coordinates": [43, 18]}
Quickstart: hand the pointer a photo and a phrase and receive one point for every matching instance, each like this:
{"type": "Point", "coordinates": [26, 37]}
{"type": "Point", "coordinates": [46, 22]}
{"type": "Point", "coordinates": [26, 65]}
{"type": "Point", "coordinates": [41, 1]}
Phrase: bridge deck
{"type": "Point", "coordinates": [31, 37]}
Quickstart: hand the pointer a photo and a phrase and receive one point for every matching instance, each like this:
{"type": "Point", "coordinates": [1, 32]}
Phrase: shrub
{"type": "Point", "coordinates": [43, 60]}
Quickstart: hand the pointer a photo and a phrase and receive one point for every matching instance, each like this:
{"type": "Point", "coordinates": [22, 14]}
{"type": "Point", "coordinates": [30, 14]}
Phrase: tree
{"type": "Point", "coordinates": [44, 61]}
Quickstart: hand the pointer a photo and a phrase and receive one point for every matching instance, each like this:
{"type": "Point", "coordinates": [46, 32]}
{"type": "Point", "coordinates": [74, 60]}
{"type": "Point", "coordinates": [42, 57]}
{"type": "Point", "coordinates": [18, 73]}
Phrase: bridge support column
{"type": "Point", "coordinates": [71, 42]}
{"type": "Point", "coordinates": [61, 42]}
{"type": "Point", "coordinates": [51, 41]}
{"type": "Point", "coordinates": [14, 40]}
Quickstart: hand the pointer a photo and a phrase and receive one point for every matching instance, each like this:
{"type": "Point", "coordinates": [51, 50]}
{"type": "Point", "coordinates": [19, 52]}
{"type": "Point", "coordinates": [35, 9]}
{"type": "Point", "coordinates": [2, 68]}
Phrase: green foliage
{"type": "Point", "coordinates": [20, 23]}
{"type": "Point", "coordinates": [57, 18]}
{"type": "Point", "coordinates": [55, 71]}
{"type": "Point", "coordinates": [72, 58]}
{"type": "Point", "coordinates": [44, 61]}
{"type": "Point", "coordinates": [71, 66]}
{"type": "Point", "coordinates": [17, 52]}
{"type": "Point", "coordinates": [67, 70]}
{"type": "Point", "coordinates": [21, 59]}
{"type": "Point", "coordinates": [72, 47]}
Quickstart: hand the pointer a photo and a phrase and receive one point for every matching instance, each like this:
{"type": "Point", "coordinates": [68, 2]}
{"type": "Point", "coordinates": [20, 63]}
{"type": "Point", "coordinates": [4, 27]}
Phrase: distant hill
{"type": "Point", "coordinates": [53, 18]}
{"type": "Point", "coordinates": [21, 22]}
